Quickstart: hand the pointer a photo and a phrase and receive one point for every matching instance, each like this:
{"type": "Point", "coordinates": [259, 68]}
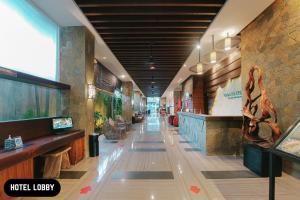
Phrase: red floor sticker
{"type": "Point", "coordinates": [85, 190]}
{"type": "Point", "coordinates": [195, 189]}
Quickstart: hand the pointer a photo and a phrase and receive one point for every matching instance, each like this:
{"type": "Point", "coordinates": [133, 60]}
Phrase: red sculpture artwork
{"type": "Point", "coordinates": [268, 114]}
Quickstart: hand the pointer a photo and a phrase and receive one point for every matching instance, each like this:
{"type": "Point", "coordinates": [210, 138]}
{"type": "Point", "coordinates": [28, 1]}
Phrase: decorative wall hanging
{"type": "Point", "coordinates": [268, 114]}
{"type": "Point", "coordinates": [228, 100]}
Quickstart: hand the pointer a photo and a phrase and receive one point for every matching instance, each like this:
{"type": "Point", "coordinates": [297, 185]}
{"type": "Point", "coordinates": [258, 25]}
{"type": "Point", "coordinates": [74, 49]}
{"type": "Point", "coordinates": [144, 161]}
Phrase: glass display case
{"type": "Point", "coordinates": [289, 144]}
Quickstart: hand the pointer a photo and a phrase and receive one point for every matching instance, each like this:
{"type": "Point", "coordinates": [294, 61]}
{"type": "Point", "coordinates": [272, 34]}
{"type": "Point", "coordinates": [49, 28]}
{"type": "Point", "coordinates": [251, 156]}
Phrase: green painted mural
{"type": "Point", "coordinates": [26, 101]}
{"type": "Point", "coordinates": [106, 106]}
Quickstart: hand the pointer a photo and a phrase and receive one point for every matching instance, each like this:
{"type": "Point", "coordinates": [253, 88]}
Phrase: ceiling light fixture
{"type": "Point", "coordinates": [227, 43]}
{"type": "Point", "coordinates": [104, 58]}
{"type": "Point", "coordinates": [213, 54]}
{"type": "Point", "coordinates": [122, 76]}
{"type": "Point", "coordinates": [198, 69]}
{"type": "Point", "coordinates": [151, 62]}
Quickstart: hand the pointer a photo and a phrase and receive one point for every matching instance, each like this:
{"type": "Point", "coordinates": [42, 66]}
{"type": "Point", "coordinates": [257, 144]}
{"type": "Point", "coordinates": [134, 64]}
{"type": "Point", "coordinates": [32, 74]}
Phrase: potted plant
{"type": "Point", "coordinates": [99, 121]}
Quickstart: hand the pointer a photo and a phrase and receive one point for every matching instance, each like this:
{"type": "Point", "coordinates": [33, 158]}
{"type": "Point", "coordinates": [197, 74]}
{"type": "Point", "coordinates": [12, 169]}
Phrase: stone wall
{"type": "Point", "coordinates": [272, 41]}
{"type": "Point", "coordinates": [77, 70]}
{"type": "Point", "coordinates": [127, 91]}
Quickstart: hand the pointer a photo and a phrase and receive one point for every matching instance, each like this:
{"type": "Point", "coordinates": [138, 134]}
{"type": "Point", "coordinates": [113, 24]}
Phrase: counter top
{"type": "Point", "coordinates": [211, 117]}
{"type": "Point", "coordinates": [37, 147]}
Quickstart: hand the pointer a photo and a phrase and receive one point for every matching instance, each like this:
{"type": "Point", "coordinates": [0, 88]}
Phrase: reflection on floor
{"type": "Point", "coordinates": [152, 163]}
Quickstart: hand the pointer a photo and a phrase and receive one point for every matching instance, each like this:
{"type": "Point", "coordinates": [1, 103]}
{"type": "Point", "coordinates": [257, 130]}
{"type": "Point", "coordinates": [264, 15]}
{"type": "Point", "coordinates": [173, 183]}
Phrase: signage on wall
{"type": "Point", "coordinates": [105, 79]}
{"type": "Point", "coordinates": [228, 100]}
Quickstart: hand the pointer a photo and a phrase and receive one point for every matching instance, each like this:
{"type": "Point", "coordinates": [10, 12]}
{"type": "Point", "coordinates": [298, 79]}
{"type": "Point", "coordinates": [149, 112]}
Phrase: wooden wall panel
{"type": "Point", "coordinates": [77, 151]}
{"type": "Point", "coordinates": [21, 170]}
{"type": "Point", "coordinates": [230, 68]}
{"type": "Point", "coordinates": [27, 129]}
{"type": "Point", "coordinates": [198, 94]}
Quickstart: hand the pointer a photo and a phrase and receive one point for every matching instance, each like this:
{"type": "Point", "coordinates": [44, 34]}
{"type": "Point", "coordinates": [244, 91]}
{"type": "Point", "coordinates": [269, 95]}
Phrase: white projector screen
{"type": "Point", "coordinates": [28, 39]}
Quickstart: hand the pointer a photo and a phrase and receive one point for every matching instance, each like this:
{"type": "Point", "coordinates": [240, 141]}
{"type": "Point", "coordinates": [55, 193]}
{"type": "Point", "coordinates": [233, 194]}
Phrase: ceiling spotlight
{"type": "Point", "coordinates": [198, 46]}
{"type": "Point", "coordinates": [104, 58]}
{"type": "Point", "coordinates": [152, 67]}
{"type": "Point", "coordinates": [184, 65]}
{"type": "Point", "coordinates": [122, 76]}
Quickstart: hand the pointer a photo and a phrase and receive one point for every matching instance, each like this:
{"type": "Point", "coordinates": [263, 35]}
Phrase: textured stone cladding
{"type": "Point", "coordinates": [77, 70]}
{"type": "Point", "coordinates": [272, 41]}
{"type": "Point", "coordinates": [126, 100]}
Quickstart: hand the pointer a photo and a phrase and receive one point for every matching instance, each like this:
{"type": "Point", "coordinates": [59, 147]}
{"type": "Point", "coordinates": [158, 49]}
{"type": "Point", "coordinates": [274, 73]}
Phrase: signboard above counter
{"type": "Point", "coordinates": [105, 79]}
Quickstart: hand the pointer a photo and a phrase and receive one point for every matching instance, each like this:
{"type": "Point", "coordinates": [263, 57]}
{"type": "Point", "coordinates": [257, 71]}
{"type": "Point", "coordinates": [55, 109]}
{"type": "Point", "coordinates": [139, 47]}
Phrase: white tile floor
{"type": "Point", "coordinates": [185, 166]}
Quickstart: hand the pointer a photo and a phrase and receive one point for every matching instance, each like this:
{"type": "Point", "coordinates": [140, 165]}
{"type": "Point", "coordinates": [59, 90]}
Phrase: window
{"type": "Point", "coordinates": [28, 39]}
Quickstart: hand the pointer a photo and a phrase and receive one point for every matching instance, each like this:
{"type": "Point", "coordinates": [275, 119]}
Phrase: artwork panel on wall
{"type": "Point", "coordinates": [20, 100]}
{"type": "Point", "coordinates": [228, 100]}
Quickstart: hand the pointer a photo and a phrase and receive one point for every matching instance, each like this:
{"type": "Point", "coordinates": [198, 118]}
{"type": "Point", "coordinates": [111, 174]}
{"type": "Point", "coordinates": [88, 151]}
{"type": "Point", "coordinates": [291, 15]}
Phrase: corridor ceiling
{"type": "Point", "coordinates": [171, 28]}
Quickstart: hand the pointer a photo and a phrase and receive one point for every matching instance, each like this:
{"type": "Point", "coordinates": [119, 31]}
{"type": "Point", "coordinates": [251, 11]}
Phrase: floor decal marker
{"type": "Point", "coordinates": [85, 190]}
{"type": "Point", "coordinates": [195, 189]}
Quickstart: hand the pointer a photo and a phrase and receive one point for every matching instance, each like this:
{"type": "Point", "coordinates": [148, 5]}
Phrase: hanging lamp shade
{"type": "Point", "coordinates": [228, 44]}
{"type": "Point", "coordinates": [214, 56]}
{"type": "Point", "coordinates": [199, 67]}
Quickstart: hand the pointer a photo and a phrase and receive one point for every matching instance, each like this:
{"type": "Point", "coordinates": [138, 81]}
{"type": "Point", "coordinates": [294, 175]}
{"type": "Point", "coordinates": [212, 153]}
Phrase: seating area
{"type": "Point", "coordinates": [115, 130]}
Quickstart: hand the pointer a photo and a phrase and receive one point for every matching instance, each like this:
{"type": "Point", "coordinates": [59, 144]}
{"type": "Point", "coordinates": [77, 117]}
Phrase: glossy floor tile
{"type": "Point", "coordinates": [229, 174]}
{"type": "Point", "coordinates": [143, 175]}
{"type": "Point", "coordinates": [119, 173]}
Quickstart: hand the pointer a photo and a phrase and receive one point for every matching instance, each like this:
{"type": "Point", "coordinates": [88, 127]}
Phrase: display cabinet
{"type": "Point", "coordinates": [288, 148]}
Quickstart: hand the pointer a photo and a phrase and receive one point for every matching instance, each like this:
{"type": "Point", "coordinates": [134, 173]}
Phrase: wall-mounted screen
{"type": "Point", "coordinates": [28, 39]}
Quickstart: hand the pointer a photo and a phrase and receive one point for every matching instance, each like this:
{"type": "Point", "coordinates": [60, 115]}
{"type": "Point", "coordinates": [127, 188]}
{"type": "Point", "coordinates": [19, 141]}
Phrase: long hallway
{"type": "Point", "coordinates": [155, 162]}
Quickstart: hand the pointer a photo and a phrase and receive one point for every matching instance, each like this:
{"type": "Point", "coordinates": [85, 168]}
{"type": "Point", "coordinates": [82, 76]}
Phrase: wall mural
{"type": "Point", "coordinates": [20, 100]}
{"type": "Point", "coordinates": [228, 100]}
{"type": "Point", "coordinates": [253, 121]}
{"type": "Point", "coordinates": [103, 109]}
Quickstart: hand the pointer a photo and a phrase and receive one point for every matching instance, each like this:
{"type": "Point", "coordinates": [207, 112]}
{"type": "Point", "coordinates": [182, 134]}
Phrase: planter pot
{"type": "Point", "coordinates": [257, 160]}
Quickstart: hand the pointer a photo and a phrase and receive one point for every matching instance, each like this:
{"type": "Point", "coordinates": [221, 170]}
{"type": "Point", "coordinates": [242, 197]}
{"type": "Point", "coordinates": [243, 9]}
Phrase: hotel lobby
{"type": "Point", "coordinates": [150, 100]}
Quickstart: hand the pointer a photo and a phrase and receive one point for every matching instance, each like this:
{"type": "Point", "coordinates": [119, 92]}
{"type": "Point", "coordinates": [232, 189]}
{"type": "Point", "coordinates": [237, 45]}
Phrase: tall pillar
{"type": "Point", "coordinates": [127, 91]}
{"type": "Point", "coordinates": [77, 70]}
{"type": "Point", "coordinates": [137, 97]}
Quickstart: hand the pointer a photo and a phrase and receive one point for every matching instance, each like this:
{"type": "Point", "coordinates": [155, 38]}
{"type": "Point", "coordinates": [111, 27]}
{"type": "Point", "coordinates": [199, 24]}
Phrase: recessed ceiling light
{"type": "Point", "coordinates": [198, 46]}
{"type": "Point", "coordinates": [184, 65]}
{"type": "Point", "coordinates": [104, 58]}
{"type": "Point", "coordinates": [122, 76]}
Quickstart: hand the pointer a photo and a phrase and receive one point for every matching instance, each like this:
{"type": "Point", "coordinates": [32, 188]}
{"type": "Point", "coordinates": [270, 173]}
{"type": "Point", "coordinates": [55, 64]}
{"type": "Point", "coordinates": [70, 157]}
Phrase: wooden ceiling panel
{"type": "Point", "coordinates": [165, 30]}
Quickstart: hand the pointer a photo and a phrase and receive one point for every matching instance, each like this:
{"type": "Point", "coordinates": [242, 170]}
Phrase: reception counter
{"type": "Point", "coordinates": [213, 135]}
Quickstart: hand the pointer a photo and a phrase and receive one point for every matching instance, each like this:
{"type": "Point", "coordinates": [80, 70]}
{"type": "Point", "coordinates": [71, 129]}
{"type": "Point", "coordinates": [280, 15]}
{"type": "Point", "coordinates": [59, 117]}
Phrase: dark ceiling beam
{"type": "Point", "coordinates": [149, 40]}
{"type": "Point", "coordinates": [152, 24]}
{"type": "Point", "coordinates": [146, 4]}
{"type": "Point", "coordinates": [84, 2]}
{"type": "Point", "coordinates": [141, 37]}
{"type": "Point", "coordinates": [137, 46]}
{"type": "Point", "coordinates": [148, 18]}
{"type": "Point", "coordinates": [151, 14]}
{"type": "Point", "coordinates": [166, 33]}
{"type": "Point", "coordinates": [183, 10]}
{"type": "Point", "coordinates": [202, 28]}
{"type": "Point", "coordinates": [103, 21]}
